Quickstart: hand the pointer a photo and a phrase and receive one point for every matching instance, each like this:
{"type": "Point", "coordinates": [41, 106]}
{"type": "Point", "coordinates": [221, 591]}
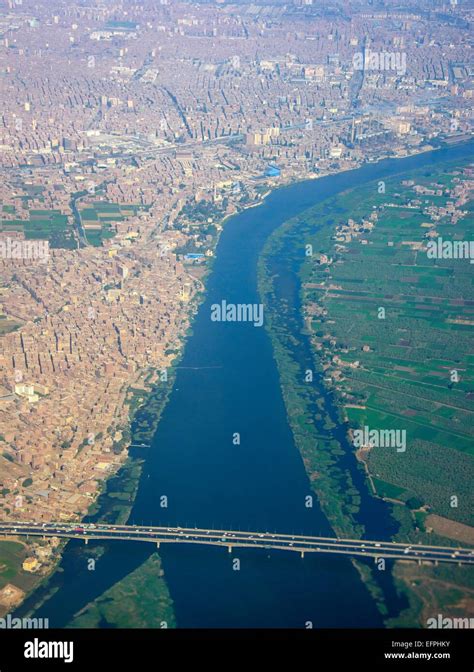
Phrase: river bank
{"type": "Point", "coordinates": [306, 368]}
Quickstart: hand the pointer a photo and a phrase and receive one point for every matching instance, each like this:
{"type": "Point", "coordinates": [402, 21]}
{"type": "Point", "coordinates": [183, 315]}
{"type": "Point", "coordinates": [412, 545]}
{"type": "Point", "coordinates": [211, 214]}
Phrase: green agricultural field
{"type": "Point", "coordinates": [11, 558]}
{"type": "Point", "coordinates": [48, 225]}
{"type": "Point", "coordinates": [388, 336]}
{"type": "Point", "coordinates": [12, 555]}
{"type": "Point", "coordinates": [397, 333]}
{"type": "Point", "coordinates": [100, 217]}
{"type": "Point", "coordinates": [57, 228]}
{"type": "Point", "coordinates": [393, 332]}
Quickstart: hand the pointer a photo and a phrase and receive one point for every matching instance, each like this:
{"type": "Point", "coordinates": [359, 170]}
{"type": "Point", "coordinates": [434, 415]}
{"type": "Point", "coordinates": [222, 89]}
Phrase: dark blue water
{"type": "Point", "coordinates": [260, 484]}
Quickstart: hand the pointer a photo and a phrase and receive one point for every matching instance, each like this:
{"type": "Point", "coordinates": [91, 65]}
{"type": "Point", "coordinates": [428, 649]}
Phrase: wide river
{"type": "Point", "coordinates": [228, 382]}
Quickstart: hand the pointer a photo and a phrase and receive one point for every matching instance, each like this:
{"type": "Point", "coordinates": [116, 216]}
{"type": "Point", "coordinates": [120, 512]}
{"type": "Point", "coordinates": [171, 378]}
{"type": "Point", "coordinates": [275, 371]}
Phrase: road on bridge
{"type": "Point", "coordinates": [238, 539]}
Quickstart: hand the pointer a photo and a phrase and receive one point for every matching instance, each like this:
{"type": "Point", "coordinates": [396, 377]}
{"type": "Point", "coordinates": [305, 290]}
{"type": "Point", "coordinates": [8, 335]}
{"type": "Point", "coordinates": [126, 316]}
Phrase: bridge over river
{"type": "Point", "coordinates": [237, 539]}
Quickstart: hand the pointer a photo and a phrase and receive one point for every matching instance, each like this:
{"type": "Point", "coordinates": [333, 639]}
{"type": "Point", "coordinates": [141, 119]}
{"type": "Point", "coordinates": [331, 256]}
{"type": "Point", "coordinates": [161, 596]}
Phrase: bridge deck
{"type": "Point", "coordinates": [238, 539]}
